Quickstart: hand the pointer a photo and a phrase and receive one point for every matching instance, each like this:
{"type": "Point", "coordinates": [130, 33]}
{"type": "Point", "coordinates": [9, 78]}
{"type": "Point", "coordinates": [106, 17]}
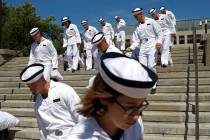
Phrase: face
{"type": "Point", "coordinates": [102, 23]}
{"type": "Point", "coordinates": [125, 111]}
{"type": "Point", "coordinates": [139, 17]}
{"type": "Point", "coordinates": [36, 87]}
{"type": "Point", "coordinates": [102, 46]}
{"type": "Point", "coordinates": [37, 37]}
{"type": "Point", "coordinates": [66, 24]}
{"type": "Point", "coordinates": [117, 19]}
{"type": "Point", "coordinates": [163, 11]}
{"type": "Point", "coordinates": [85, 25]}
{"type": "Point", "coordinates": [155, 15]}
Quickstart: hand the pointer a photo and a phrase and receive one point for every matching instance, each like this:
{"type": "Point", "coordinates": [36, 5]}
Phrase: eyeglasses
{"type": "Point", "coordinates": [131, 110]}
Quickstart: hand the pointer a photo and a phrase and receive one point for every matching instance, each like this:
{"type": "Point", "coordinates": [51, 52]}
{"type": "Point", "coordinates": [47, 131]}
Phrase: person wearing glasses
{"type": "Point", "coordinates": [114, 103]}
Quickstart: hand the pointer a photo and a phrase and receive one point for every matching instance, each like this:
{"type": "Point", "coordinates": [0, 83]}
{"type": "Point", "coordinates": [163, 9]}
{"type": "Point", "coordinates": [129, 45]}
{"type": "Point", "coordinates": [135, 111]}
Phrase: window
{"type": "Point", "coordinates": [181, 39]}
{"type": "Point", "coordinates": [189, 39]}
{"type": "Point", "coordinates": [198, 38]}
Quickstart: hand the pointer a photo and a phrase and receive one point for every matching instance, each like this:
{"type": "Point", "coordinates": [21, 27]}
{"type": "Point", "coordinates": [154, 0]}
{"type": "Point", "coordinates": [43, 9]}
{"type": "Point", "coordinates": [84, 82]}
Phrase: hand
{"type": "Point", "coordinates": [78, 45]}
{"type": "Point", "coordinates": [128, 49]}
{"type": "Point", "coordinates": [158, 46]}
{"type": "Point", "coordinates": [173, 35]}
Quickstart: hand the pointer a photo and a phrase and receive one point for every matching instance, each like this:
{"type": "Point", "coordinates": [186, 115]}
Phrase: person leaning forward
{"type": "Point", "coordinates": [55, 105]}
{"type": "Point", "coordinates": [115, 101]}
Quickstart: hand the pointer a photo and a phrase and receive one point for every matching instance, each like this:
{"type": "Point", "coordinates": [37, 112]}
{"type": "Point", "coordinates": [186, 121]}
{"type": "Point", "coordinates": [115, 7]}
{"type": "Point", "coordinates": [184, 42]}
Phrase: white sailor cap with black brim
{"type": "Point", "coordinates": [133, 80]}
{"type": "Point", "coordinates": [34, 31]}
{"type": "Point", "coordinates": [152, 10]}
{"type": "Point", "coordinates": [64, 19]}
{"type": "Point", "coordinates": [137, 11]}
{"type": "Point", "coordinates": [162, 8]}
{"type": "Point", "coordinates": [97, 38]}
{"type": "Point", "coordinates": [32, 73]}
{"type": "Point", "coordinates": [116, 17]}
{"type": "Point", "coordinates": [84, 21]}
{"type": "Point", "coordinates": [101, 20]}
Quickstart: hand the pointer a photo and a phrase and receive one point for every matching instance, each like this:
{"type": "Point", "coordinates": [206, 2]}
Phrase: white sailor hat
{"type": "Point", "coordinates": [162, 8]}
{"type": "Point", "coordinates": [100, 20]}
{"type": "Point", "coordinates": [152, 10]}
{"type": "Point", "coordinates": [32, 73]}
{"type": "Point", "coordinates": [116, 17]}
{"type": "Point", "coordinates": [134, 80]}
{"type": "Point", "coordinates": [97, 38]}
{"type": "Point", "coordinates": [84, 21]}
{"type": "Point", "coordinates": [137, 11]}
{"type": "Point", "coordinates": [64, 19]}
{"type": "Point", "coordinates": [34, 31]}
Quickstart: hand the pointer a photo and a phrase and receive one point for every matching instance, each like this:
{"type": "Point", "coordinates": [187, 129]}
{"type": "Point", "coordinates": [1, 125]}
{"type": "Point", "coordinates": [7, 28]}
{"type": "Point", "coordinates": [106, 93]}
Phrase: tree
{"type": "Point", "coordinates": [18, 21]}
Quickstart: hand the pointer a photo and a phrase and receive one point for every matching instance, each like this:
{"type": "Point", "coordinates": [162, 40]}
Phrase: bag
{"type": "Point", "coordinates": [7, 120]}
{"type": "Point", "coordinates": [55, 75]}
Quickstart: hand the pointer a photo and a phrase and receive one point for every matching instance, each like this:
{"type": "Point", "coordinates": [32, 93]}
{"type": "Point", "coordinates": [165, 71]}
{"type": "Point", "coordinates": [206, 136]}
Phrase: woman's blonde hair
{"type": "Point", "coordinates": [91, 105]}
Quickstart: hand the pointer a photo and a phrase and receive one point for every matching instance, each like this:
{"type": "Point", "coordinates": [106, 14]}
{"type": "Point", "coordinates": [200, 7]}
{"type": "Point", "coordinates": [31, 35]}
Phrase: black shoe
{"type": "Point", "coordinates": [164, 66]}
{"type": "Point", "coordinates": [73, 70]}
{"type": "Point", "coordinates": [153, 91]}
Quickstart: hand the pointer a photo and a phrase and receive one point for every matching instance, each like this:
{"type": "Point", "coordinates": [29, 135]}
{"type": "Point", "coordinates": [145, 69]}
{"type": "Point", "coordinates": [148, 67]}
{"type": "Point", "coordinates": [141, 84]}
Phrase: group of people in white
{"type": "Point", "coordinates": [112, 105]}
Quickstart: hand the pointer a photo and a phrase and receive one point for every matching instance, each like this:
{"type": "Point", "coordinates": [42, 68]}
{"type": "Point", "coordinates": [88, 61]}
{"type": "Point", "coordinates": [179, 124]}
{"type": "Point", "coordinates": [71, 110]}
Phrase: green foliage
{"type": "Point", "coordinates": [17, 22]}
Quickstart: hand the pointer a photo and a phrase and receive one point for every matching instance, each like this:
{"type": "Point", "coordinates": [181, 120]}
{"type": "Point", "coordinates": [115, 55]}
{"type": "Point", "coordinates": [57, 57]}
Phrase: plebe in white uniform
{"type": "Point", "coordinates": [120, 34]}
{"type": "Point", "coordinates": [70, 39]}
{"type": "Point", "coordinates": [88, 35]}
{"type": "Point", "coordinates": [46, 54]}
{"type": "Point", "coordinates": [89, 129]}
{"type": "Point", "coordinates": [57, 113]}
{"type": "Point", "coordinates": [147, 35]}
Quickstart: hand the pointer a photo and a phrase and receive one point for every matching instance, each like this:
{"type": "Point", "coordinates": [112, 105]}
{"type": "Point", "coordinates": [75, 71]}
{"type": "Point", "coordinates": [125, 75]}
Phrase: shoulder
{"type": "Point", "coordinates": [84, 130]}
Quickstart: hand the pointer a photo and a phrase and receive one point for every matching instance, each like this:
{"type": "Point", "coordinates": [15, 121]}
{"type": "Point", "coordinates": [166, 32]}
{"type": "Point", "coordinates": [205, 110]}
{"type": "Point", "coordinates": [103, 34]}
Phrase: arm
{"type": "Point", "coordinates": [78, 38]}
{"type": "Point", "coordinates": [112, 31]}
{"type": "Point", "coordinates": [158, 32]}
{"type": "Point", "coordinates": [65, 41]}
{"type": "Point", "coordinates": [54, 55]}
{"type": "Point", "coordinates": [32, 58]}
{"type": "Point", "coordinates": [135, 41]}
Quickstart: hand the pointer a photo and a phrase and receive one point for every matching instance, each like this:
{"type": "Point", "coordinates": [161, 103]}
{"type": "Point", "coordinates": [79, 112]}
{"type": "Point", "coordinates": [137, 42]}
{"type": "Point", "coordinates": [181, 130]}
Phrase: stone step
{"type": "Point", "coordinates": [177, 106]}
{"type": "Point", "coordinates": [20, 112]}
{"type": "Point", "coordinates": [29, 97]}
{"type": "Point", "coordinates": [27, 122]}
{"type": "Point", "coordinates": [174, 117]}
{"type": "Point", "coordinates": [175, 128]}
{"type": "Point", "coordinates": [176, 97]}
{"type": "Point", "coordinates": [172, 137]}
{"type": "Point", "coordinates": [27, 133]}
{"type": "Point", "coordinates": [17, 104]}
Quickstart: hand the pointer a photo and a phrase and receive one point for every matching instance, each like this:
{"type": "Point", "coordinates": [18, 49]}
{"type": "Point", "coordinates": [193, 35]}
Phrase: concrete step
{"type": "Point", "coordinates": [181, 89]}
{"type": "Point", "coordinates": [172, 137]}
{"type": "Point", "coordinates": [20, 112]}
{"type": "Point", "coordinates": [176, 97]}
{"type": "Point", "coordinates": [175, 128]}
{"type": "Point", "coordinates": [27, 122]}
{"type": "Point", "coordinates": [177, 106]}
{"type": "Point", "coordinates": [24, 97]}
{"type": "Point", "coordinates": [174, 117]}
{"type": "Point", "coordinates": [17, 104]}
{"type": "Point", "coordinates": [27, 133]}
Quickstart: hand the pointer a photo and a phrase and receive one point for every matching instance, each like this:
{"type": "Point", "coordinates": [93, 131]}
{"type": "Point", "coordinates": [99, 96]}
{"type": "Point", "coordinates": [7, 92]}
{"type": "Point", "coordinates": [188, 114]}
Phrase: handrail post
{"type": "Point", "coordinates": [196, 85]}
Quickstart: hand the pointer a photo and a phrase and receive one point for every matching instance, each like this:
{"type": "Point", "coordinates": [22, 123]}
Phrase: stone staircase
{"type": "Point", "coordinates": [169, 116]}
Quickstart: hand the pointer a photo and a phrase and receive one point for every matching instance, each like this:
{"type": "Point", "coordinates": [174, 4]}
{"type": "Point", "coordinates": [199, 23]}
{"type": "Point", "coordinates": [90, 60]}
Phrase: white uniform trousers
{"type": "Point", "coordinates": [148, 56]}
{"type": "Point", "coordinates": [165, 49]}
{"type": "Point", "coordinates": [170, 51]}
{"type": "Point", "coordinates": [88, 60]}
{"type": "Point", "coordinates": [47, 71]}
{"type": "Point", "coordinates": [120, 42]}
{"type": "Point", "coordinates": [73, 56]}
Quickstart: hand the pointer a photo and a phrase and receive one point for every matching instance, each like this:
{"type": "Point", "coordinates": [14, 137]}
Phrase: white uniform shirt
{"type": "Point", "coordinates": [88, 35]}
{"type": "Point", "coordinates": [173, 20]}
{"type": "Point", "coordinates": [90, 130]}
{"type": "Point", "coordinates": [44, 53]}
{"type": "Point", "coordinates": [165, 24]}
{"type": "Point", "coordinates": [120, 26]}
{"type": "Point", "coordinates": [108, 30]}
{"type": "Point", "coordinates": [147, 34]}
{"type": "Point", "coordinates": [57, 111]}
{"type": "Point", "coordinates": [71, 35]}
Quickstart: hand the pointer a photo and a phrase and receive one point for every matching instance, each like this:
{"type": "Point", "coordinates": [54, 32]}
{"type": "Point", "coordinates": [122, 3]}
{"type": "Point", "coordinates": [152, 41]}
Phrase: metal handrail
{"type": "Point", "coordinates": [195, 60]}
